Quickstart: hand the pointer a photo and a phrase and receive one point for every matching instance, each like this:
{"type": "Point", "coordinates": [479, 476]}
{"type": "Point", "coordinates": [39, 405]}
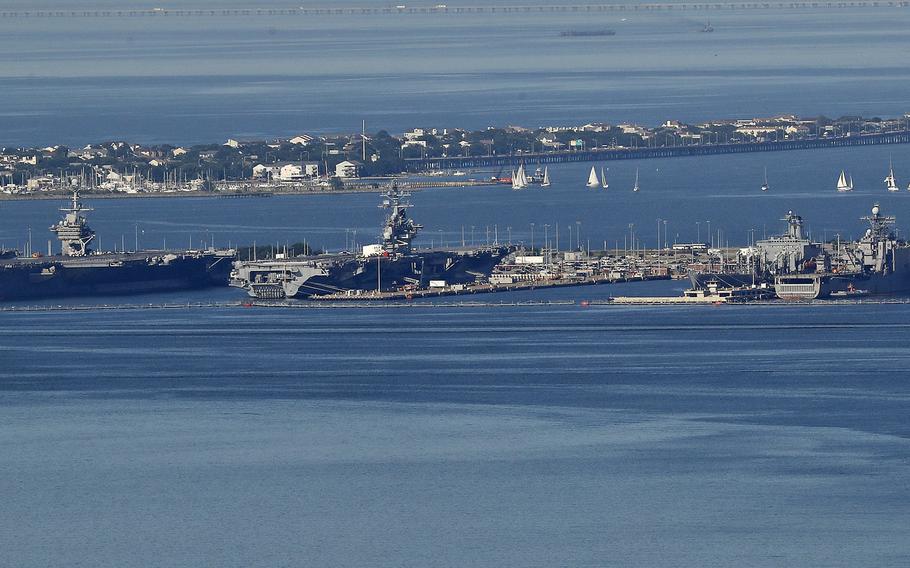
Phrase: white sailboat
{"type": "Point", "coordinates": [603, 179]}
{"type": "Point", "coordinates": [520, 179]}
{"type": "Point", "coordinates": [635, 187]}
{"type": "Point", "coordinates": [592, 178]}
{"type": "Point", "coordinates": [546, 178]}
{"type": "Point", "coordinates": [842, 184]}
{"type": "Point", "coordinates": [764, 186]}
{"type": "Point", "coordinates": [890, 182]}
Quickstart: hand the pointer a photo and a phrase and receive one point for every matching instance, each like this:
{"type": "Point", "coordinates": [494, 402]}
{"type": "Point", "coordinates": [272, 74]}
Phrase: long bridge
{"type": "Point", "coordinates": [610, 154]}
{"type": "Point", "coordinates": [441, 8]}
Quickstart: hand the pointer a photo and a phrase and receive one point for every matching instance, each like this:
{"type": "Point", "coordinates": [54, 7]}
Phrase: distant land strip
{"type": "Point", "coordinates": [608, 154]}
{"type": "Point", "coordinates": [441, 8]}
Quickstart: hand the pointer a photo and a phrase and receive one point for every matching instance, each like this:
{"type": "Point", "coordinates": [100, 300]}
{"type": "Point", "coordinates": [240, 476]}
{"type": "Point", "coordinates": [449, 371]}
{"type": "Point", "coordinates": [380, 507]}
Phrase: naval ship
{"type": "Point", "coordinates": [876, 264]}
{"type": "Point", "coordinates": [800, 269]}
{"type": "Point", "coordinates": [80, 271]}
{"type": "Point", "coordinates": [393, 264]}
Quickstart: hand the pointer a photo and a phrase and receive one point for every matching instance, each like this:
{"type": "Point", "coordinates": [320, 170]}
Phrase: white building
{"type": "Point", "coordinates": [311, 169]}
{"type": "Point", "coordinates": [347, 169]}
{"type": "Point", "coordinates": [263, 171]}
{"type": "Point", "coordinates": [290, 172]}
{"type": "Point", "coordinates": [302, 140]}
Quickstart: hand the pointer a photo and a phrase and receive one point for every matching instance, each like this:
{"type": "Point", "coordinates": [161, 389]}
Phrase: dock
{"type": "Point", "coordinates": [667, 300]}
{"type": "Point", "coordinates": [463, 290]}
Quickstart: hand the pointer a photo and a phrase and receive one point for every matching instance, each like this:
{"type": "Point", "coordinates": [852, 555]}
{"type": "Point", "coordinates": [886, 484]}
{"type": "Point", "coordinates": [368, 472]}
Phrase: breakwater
{"type": "Point", "coordinates": [611, 154]}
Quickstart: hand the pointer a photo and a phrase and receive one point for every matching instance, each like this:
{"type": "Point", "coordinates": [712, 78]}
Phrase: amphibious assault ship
{"type": "Point", "coordinates": [392, 264]}
{"type": "Point", "coordinates": [800, 269]}
{"type": "Point", "coordinates": [80, 271]}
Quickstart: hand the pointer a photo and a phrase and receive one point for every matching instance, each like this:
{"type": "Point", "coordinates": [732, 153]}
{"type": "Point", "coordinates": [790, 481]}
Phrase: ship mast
{"type": "Point", "coordinates": [73, 230]}
{"type": "Point", "coordinates": [399, 230]}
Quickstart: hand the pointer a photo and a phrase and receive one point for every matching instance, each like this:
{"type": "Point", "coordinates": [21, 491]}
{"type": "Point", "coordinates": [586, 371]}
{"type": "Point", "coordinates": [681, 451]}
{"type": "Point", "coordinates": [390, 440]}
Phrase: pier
{"type": "Point", "coordinates": [374, 296]}
{"type": "Point", "coordinates": [612, 154]}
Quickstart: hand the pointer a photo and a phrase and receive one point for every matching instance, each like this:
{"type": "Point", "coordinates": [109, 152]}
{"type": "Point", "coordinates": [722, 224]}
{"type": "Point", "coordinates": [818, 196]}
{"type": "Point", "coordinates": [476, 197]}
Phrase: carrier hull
{"type": "Point", "coordinates": [112, 274]}
{"type": "Point", "coordinates": [316, 276]}
{"type": "Point", "coordinates": [819, 286]}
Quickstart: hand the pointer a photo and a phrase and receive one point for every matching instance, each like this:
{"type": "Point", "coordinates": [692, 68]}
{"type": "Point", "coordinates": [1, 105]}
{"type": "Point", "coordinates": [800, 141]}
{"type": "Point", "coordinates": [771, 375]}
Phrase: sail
{"type": "Point", "coordinates": [842, 182]}
{"type": "Point", "coordinates": [603, 179]}
{"type": "Point", "coordinates": [520, 179]}
{"type": "Point", "coordinates": [592, 179]}
{"type": "Point", "coordinates": [890, 182]}
{"type": "Point", "coordinates": [635, 187]}
{"type": "Point", "coordinates": [546, 178]}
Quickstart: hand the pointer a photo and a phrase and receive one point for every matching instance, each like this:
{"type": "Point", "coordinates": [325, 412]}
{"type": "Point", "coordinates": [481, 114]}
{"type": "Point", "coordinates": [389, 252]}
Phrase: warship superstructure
{"type": "Point", "coordinates": [80, 271]}
{"type": "Point", "coordinates": [392, 264]}
{"type": "Point", "coordinates": [801, 269]}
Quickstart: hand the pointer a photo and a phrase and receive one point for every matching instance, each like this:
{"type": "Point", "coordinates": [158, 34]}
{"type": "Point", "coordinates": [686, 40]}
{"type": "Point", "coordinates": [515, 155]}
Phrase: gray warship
{"type": "Point", "coordinates": [80, 271]}
{"type": "Point", "coordinates": [393, 264]}
{"type": "Point", "coordinates": [800, 269]}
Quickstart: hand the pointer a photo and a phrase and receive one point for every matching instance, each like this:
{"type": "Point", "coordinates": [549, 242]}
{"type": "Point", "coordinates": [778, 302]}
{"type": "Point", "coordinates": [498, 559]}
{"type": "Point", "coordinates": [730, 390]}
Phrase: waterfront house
{"type": "Point", "coordinates": [347, 169]}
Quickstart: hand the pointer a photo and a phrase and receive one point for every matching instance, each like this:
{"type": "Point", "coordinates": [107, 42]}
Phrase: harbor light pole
{"type": "Point", "coordinates": [546, 242]}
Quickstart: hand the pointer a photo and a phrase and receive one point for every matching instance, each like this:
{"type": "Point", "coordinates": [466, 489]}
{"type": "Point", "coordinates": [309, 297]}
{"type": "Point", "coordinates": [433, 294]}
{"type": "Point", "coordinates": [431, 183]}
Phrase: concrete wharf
{"type": "Point", "coordinates": [374, 296]}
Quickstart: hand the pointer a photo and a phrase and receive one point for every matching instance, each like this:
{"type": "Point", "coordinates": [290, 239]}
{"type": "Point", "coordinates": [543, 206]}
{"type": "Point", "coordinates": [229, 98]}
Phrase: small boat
{"type": "Point", "coordinates": [635, 187]}
{"type": "Point", "coordinates": [708, 28]}
{"type": "Point", "coordinates": [603, 179]}
{"type": "Point", "coordinates": [458, 173]}
{"type": "Point", "coordinates": [520, 178]}
{"type": "Point", "coordinates": [546, 178]}
{"type": "Point", "coordinates": [592, 179]}
{"type": "Point", "coordinates": [842, 184]}
{"type": "Point", "coordinates": [890, 182]}
{"type": "Point", "coordinates": [764, 186]}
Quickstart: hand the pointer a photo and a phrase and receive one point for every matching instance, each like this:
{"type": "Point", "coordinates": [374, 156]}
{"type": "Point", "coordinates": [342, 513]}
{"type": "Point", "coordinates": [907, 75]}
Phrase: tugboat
{"type": "Point", "coordinates": [390, 265]}
{"type": "Point", "coordinates": [80, 271]}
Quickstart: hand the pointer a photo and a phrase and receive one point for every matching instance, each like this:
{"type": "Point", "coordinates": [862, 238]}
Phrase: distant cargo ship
{"type": "Point", "coordinates": [390, 265]}
{"type": "Point", "coordinates": [80, 271]}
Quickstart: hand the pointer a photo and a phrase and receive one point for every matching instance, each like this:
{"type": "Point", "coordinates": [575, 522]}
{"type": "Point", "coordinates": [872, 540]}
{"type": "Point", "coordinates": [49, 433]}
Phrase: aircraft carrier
{"type": "Point", "coordinates": [80, 271]}
{"type": "Point", "coordinates": [800, 269]}
{"type": "Point", "coordinates": [391, 265]}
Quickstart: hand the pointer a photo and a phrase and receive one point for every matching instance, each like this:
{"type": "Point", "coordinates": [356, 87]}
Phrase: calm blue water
{"type": "Point", "coordinates": [533, 436]}
{"type": "Point", "coordinates": [166, 79]}
{"type": "Point", "coordinates": [444, 436]}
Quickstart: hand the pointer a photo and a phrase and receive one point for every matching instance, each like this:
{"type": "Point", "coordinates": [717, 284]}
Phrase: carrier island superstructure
{"type": "Point", "coordinates": [392, 264]}
{"type": "Point", "coordinates": [801, 269]}
{"type": "Point", "coordinates": [78, 270]}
